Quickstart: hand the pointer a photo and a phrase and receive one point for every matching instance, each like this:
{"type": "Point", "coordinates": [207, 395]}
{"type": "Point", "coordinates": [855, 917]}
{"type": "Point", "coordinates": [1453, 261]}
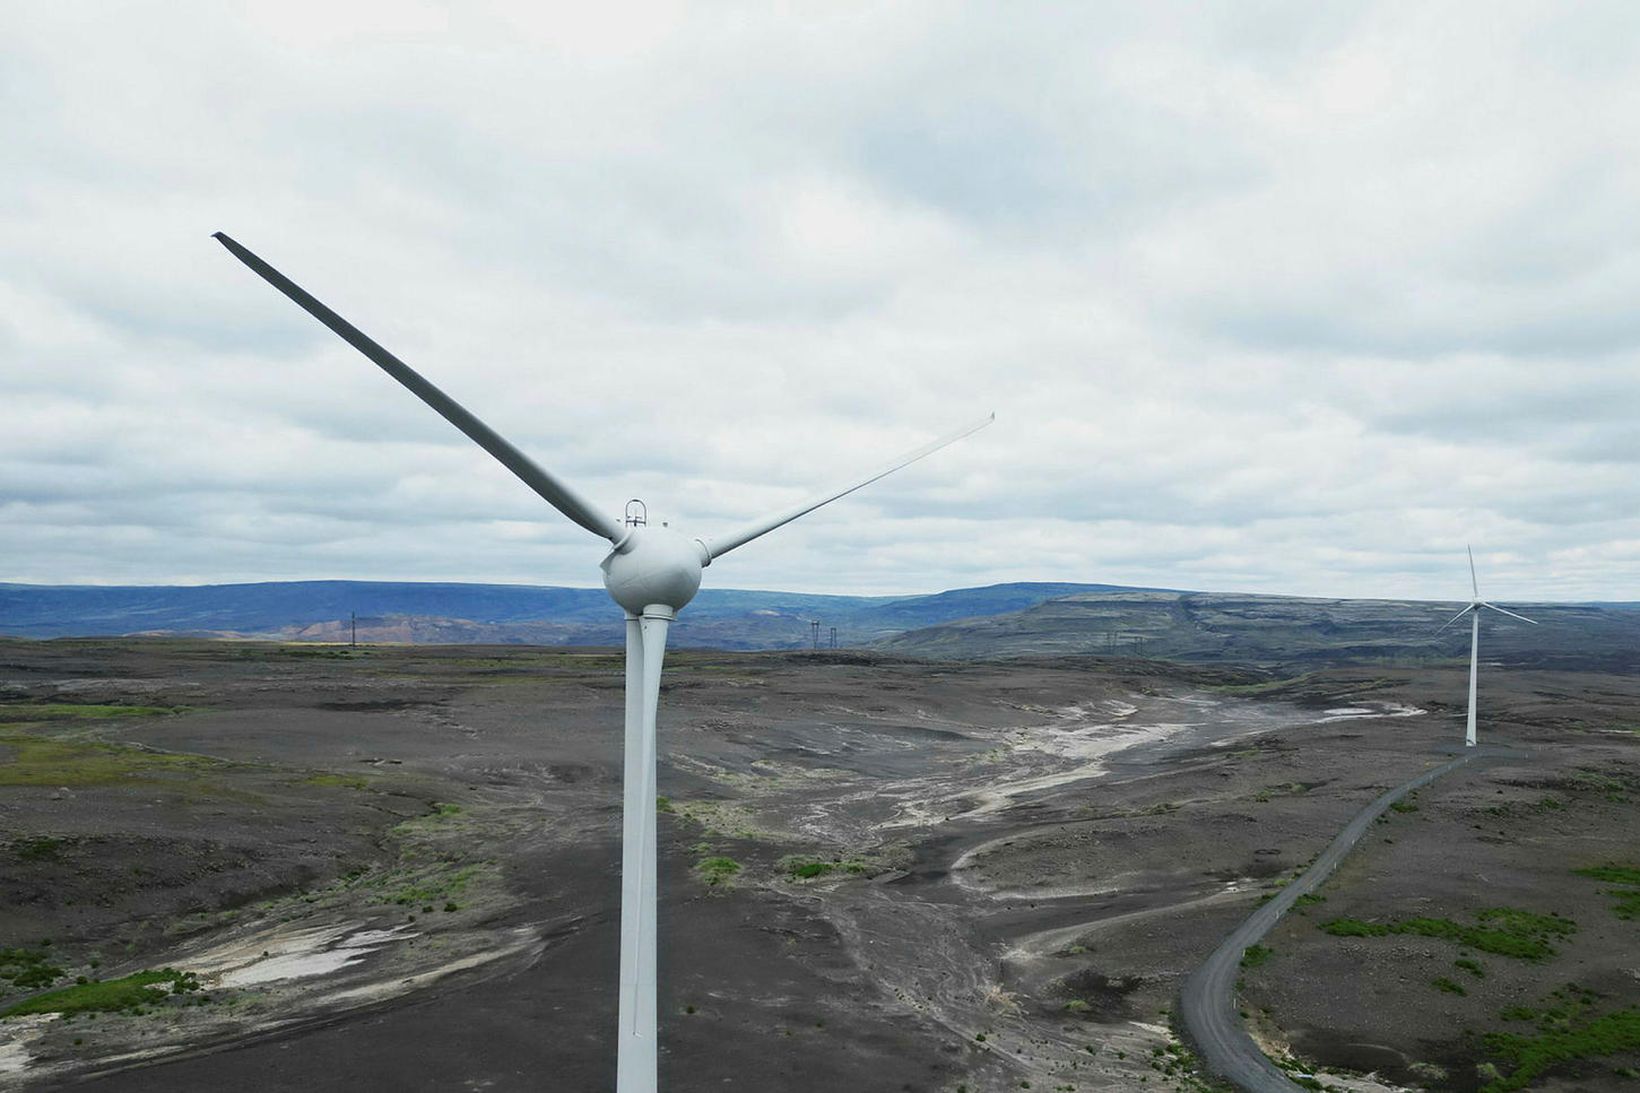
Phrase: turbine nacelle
{"type": "Point", "coordinates": [653, 566]}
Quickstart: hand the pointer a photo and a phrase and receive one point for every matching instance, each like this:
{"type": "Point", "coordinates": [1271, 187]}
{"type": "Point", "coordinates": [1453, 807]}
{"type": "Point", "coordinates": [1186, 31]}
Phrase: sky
{"type": "Point", "coordinates": [1294, 298]}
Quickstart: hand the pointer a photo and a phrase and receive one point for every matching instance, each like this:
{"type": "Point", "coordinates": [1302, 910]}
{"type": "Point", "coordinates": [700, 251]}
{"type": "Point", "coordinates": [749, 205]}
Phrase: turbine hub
{"type": "Point", "coordinates": [653, 565]}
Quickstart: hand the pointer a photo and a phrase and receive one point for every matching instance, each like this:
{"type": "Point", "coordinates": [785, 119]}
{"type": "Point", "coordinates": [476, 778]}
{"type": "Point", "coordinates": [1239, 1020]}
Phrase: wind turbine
{"type": "Point", "coordinates": [1475, 605]}
{"type": "Point", "coordinates": [651, 573]}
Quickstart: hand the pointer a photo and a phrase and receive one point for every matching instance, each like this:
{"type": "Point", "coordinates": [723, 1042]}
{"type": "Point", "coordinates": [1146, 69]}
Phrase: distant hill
{"type": "Point", "coordinates": [489, 613]}
{"type": "Point", "coordinates": [1005, 620]}
{"type": "Point", "coordinates": [1292, 631]}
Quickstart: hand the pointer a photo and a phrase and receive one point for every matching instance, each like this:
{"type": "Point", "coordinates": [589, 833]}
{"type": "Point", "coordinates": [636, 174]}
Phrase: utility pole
{"type": "Point", "coordinates": [834, 637]}
{"type": "Point", "coordinates": [353, 623]}
{"type": "Point", "coordinates": [814, 629]}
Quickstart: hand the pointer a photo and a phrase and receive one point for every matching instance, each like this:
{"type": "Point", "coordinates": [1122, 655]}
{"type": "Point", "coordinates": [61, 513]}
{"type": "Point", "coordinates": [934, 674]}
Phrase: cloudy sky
{"type": "Point", "coordinates": [1266, 297]}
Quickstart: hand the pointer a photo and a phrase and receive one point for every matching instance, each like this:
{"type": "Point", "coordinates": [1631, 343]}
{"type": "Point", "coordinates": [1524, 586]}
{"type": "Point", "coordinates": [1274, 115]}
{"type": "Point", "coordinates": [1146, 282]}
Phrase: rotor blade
{"type": "Point", "coordinates": [1473, 583]}
{"type": "Point", "coordinates": [1511, 614]}
{"type": "Point", "coordinates": [556, 493]}
{"type": "Point", "coordinates": [1458, 616]}
{"type": "Point", "coordinates": [722, 545]}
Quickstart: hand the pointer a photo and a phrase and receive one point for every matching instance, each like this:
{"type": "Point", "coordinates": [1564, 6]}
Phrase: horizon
{"type": "Point", "coordinates": [708, 590]}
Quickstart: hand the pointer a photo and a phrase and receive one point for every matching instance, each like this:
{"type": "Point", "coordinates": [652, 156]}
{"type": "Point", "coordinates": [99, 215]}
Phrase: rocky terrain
{"type": "Point", "coordinates": [397, 867]}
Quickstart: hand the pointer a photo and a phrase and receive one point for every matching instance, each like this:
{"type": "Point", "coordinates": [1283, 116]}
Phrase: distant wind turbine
{"type": "Point", "coordinates": [1475, 639]}
{"type": "Point", "coordinates": [651, 573]}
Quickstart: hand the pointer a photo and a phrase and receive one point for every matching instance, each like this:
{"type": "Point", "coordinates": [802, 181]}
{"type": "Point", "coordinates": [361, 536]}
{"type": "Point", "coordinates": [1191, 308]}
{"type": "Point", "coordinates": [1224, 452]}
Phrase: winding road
{"type": "Point", "coordinates": [1207, 1001]}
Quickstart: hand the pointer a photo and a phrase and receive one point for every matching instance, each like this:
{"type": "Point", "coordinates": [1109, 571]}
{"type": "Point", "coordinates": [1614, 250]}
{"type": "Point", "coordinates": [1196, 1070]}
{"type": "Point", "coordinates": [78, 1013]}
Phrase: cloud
{"type": "Point", "coordinates": [1265, 298]}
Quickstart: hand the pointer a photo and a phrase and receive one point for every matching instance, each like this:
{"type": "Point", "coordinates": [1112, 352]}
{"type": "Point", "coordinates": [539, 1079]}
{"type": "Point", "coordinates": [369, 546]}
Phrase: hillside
{"type": "Point", "coordinates": [1282, 630]}
{"type": "Point", "coordinates": [483, 613]}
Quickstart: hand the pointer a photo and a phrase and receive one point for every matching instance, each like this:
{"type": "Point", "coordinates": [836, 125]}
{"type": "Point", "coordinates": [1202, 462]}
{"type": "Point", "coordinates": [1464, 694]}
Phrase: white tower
{"type": "Point", "coordinates": [651, 573]}
{"type": "Point", "coordinates": [1475, 604]}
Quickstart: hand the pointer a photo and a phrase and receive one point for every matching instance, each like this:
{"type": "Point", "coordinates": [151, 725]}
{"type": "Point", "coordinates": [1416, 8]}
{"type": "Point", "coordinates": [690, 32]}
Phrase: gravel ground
{"type": "Point", "coordinates": [1032, 852]}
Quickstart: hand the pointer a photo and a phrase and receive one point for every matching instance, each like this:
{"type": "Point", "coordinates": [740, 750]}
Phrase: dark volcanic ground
{"type": "Point", "coordinates": [398, 867]}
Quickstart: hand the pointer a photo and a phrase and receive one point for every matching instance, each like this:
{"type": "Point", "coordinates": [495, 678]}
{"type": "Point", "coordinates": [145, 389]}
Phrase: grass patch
{"type": "Point", "coordinates": [1612, 874]}
{"type": "Point", "coordinates": [724, 819]}
{"type": "Point", "coordinates": [27, 712]}
{"type": "Point", "coordinates": [1255, 955]}
{"type": "Point", "coordinates": [339, 781]}
{"type": "Point", "coordinates": [129, 994]}
{"type": "Point", "coordinates": [1502, 931]}
{"type": "Point", "coordinates": [49, 761]}
{"type": "Point", "coordinates": [1258, 688]}
{"type": "Point", "coordinates": [1403, 806]}
{"type": "Point", "coordinates": [28, 969]}
{"type": "Point", "coordinates": [805, 868]}
{"type": "Point", "coordinates": [1442, 983]}
{"type": "Point", "coordinates": [1473, 967]}
{"type": "Point", "coordinates": [716, 872]}
{"type": "Point", "coordinates": [1625, 897]}
{"type": "Point", "coordinates": [39, 848]}
{"type": "Point", "coordinates": [1576, 1040]}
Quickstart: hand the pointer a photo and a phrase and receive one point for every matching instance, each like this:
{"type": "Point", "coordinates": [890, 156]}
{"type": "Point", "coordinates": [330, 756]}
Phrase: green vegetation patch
{"type": "Point", "coordinates": [129, 994]}
{"type": "Point", "coordinates": [51, 761]}
{"type": "Point", "coordinates": [1259, 688]}
{"type": "Point", "coordinates": [723, 818]}
{"type": "Point", "coordinates": [717, 871]}
{"type": "Point", "coordinates": [1569, 1036]}
{"type": "Point", "coordinates": [806, 868]}
{"type": "Point", "coordinates": [1502, 931]}
{"type": "Point", "coordinates": [39, 848]}
{"type": "Point", "coordinates": [339, 781]}
{"type": "Point", "coordinates": [1626, 896]}
{"type": "Point", "coordinates": [1255, 955]}
{"type": "Point", "coordinates": [28, 969]}
{"type": "Point", "coordinates": [27, 712]}
{"type": "Point", "coordinates": [1442, 983]}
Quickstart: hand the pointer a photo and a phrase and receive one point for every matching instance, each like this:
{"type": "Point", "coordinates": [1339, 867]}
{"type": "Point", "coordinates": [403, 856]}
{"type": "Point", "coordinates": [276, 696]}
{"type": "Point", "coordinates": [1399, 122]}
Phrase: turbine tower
{"type": "Point", "coordinates": [1475, 605]}
{"type": "Point", "coordinates": [651, 573]}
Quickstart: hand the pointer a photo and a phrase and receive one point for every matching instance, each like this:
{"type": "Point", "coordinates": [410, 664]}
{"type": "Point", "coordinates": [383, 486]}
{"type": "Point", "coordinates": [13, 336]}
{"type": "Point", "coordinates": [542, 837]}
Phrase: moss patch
{"type": "Point", "coordinates": [1255, 955]}
{"type": "Point", "coordinates": [27, 712]}
{"type": "Point", "coordinates": [1626, 894]}
{"type": "Point", "coordinates": [28, 969]}
{"type": "Point", "coordinates": [129, 994]}
{"type": "Point", "coordinates": [53, 761]}
{"type": "Point", "coordinates": [1568, 1032]}
{"type": "Point", "coordinates": [1503, 931]}
{"type": "Point", "coordinates": [339, 781]}
{"type": "Point", "coordinates": [717, 872]}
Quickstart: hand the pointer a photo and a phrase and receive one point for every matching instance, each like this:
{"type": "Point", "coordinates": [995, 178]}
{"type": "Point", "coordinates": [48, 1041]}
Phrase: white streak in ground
{"type": "Point", "coordinates": [282, 953]}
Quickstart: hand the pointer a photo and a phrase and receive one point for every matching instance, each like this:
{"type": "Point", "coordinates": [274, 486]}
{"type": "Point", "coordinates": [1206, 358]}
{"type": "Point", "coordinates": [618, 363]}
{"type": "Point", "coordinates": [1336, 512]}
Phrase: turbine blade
{"type": "Point", "coordinates": [1458, 616]}
{"type": "Point", "coordinates": [555, 492]}
{"type": "Point", "coordinates": [1473, 583]}
{"type": "Point", "coordinates": [723, 544]}
{"type": "Point", "coordinates": [1511, 614]}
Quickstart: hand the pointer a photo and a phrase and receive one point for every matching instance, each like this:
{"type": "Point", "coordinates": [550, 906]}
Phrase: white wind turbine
{"type": "Point", "coordinates": [651, 573]}
{"type": "Point", "coordinates": [1475, 605]}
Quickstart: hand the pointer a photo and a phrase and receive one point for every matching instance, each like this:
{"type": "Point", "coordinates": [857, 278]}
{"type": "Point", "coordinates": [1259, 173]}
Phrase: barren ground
{"type": "Point", "coordinates": [398, 867]}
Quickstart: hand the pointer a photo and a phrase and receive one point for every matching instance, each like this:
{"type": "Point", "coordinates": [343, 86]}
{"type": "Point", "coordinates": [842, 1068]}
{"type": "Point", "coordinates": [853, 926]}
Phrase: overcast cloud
{"type": "Point", "coordinates": [1267, 297]}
